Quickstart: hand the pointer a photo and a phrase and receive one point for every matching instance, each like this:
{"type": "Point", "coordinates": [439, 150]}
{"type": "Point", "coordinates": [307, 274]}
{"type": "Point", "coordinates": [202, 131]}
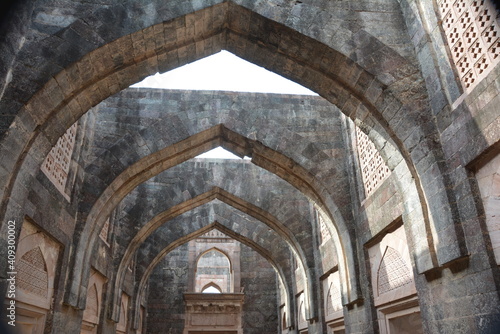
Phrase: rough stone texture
{"type": "Point", "coordinates": [168, 282]}
{"type": "Point", "coordinates": [259, 281]}
{"type": "Point", "coordinates": [381, 63]}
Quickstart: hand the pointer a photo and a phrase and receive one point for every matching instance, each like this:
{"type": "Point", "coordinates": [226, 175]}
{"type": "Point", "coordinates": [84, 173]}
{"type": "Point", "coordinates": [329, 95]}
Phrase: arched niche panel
{"type": "Point", "coordinates": [123, 322]}
{"type": "Point", "coordinates": [37, 265]}
{"type": "Point", "coordinates": [211, 288]}
{"type": "Point", "coordinates": [332, 297]}
{"type": "Point", "coordinates": [92, 312]}
{"type": "Point", "coordinates": [391, 268]}
{"type": "Point", "coordinates": [214, 267]}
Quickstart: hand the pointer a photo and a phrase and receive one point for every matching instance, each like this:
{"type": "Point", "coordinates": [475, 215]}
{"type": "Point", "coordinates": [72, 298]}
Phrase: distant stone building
{"type": "Point", "coordinates": [371, 208]}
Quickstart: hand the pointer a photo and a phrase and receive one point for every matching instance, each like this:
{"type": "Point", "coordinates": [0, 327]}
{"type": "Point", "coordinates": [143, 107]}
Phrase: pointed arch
{"type": "Point", "coordinates": [216, 249]}
{"type": "Point", "coordinates": [141, 287]}
{"type": "Point", "coordinates": [264, 157]}
{"type": "Point", "coordinates": [229, 285]}
{"type": "Point", "coordinates": [231, 200]}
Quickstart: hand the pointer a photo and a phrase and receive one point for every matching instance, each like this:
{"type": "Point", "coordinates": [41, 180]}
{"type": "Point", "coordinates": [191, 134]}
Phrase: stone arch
{"type": "Point", "coordinates": [58, 106]}
{"type": "Point", "coordinates": [230, 267]}
{"type": "Point", "coordinates": [231, 200]}
{"type": "Point", "coordinates": [72, 101]}
{"type": "Point", "coordinates": [141, 287]}
{"type": "Point", "coordinates": [194, 145]}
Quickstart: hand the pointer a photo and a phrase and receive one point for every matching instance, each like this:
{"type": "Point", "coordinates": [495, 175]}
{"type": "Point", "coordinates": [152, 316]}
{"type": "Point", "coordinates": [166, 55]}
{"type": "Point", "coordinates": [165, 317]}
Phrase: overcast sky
{"type": "Point", "coordinates": [223, 71]}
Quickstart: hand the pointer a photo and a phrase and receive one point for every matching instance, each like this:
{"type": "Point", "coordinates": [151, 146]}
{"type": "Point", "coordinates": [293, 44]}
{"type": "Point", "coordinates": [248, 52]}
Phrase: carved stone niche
{"type": "Point", "coordinates": [36, 265]}
{"type": "Point", "coordinates": [213, 313]}
{"type": "Point", "coordinates": [395, 294]}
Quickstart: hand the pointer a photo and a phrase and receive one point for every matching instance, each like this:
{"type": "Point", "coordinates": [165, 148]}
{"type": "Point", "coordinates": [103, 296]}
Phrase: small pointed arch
{"type": "Point", "coordinates": [393, 272]}
{"type": "Point", "coordinates": [217, 250]}
{"type": "Point", "coordinates": [93, 302]}
{"type": "Point", "coordinates": [211, 288]}
{"type": "Point", "coordinates": [214, 265]}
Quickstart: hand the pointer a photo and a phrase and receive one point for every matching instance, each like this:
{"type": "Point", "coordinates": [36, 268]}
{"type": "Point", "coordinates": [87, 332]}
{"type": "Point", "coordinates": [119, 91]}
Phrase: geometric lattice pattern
{"type": "Point", "coordinates": [325, 233]}
{"type": "Point", "coordinates": [105, 231]}
{"type": "Point", "coordinates": [57, 163]}
{"type": "Point", "coordinates": [32, 273]}
{"type": "Point", "coordinates": [393, 272]}
{"type": "Point", "coordinates": [334, 300]}
{"type": "Point", "coordinates": [472, 32]}
{"type": "Point", "coordinates": [373, 167]}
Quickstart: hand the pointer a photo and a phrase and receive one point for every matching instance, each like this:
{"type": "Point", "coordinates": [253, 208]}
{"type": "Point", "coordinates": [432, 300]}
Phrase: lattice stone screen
{"type": "Point", "coordinates": [373, 168]}
{"type": "Point", "coordinates": [471, 28]}
{"type": "Point", "coordinates": [32, 273]}
{"type": "Point", "coordinates": [325, 233]}
{"type": "Point", "coordinates": [393, 272]}
{"type": "Point", "coordinates": [104, 234]}
{"type": "Point", "coordinates": [333, 298]}
{"type": "Point", "coordinates": [57, 162]}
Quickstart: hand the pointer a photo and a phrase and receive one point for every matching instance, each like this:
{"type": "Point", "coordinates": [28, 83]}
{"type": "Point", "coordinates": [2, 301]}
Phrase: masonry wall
{"type": "Point", "coordinates": [258, 279]}
{"type": "Point", "coordinates": [167, 285]}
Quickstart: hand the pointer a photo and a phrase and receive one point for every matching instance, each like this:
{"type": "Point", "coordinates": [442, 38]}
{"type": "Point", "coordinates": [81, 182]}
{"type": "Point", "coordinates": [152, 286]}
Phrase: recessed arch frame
{"type": "Point", "coordinates": [199, 256]}
{"type": "Point", "coordinates": [215, 249]}
{"type": "Point", "coordinates": [141, 287]}
{"type": "Point", "coordinates": [56, 106]}
{"type": "Point", "coordinates": [238, 204]}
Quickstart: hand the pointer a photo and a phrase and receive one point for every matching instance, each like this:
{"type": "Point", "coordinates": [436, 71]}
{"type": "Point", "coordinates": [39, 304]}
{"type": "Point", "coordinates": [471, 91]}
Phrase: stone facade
{"type": "Point", "coordinates": [371, 208]}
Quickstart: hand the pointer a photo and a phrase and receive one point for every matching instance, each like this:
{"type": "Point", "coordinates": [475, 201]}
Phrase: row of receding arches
{"type": "Point", "coordinates": [105, 194]}
{"type": "Point", "coordinates": [230, 202]}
